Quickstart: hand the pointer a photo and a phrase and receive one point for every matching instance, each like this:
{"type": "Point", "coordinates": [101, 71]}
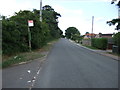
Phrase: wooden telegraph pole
{"type": "Point", "coordinates": [40, 10]}
{"type": "Point", "coordinates": [92, 29]}
{"type": "Point", "coordinates": [92, 26]}
{"type": "Point", "coordinates": [30, 24]}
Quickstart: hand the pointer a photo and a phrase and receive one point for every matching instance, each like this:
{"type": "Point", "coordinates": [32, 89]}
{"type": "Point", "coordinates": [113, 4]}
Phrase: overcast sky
{"type": "Point", "coordinates": [75, 13]}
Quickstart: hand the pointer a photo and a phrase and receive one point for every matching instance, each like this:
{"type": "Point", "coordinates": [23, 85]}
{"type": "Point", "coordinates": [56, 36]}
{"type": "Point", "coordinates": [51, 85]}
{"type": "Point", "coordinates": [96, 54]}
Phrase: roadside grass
{"type": "Point", "coordinates": [22, 57]}
{"type": "Point", "coordinates": [26, 56]}
{"type": "Point", "coordinates": [99, 49]}
{"type": "Point", "coordinates": [114, 54]}
{"type": "Point", "coordinates": [90, 47]}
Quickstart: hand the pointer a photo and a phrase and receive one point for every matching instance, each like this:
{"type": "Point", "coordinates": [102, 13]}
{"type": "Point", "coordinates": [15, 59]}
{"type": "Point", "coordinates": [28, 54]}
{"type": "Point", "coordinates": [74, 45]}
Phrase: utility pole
{"type": "Point", "coordinates": [92, 23]}
{"type": "Point", "coordinates": [118, 8]}
{"type": "Point", "coordinates": [92, 26]}
{"type": "Point", "coordinates": [92, 29]}
{"type": "Point", "coordinates": [119, 17]}
{"type": "Point", "coordinates": [40, 10]}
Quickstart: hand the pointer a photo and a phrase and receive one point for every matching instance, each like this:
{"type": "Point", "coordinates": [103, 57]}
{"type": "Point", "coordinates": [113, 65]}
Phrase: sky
{"type": "Point", "coordinates": [74, 13]}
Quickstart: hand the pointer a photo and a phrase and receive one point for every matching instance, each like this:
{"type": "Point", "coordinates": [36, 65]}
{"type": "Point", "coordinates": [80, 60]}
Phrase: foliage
{"type": "Point", "coordinates": [90, 47]}
{"type": "Point", "coordinates": [63, 36]}
{"type": "Point", "coordinates": [116, 39]}
{"type": "Point", "coordinates": [86, 33]}
{"type": "Point", "coordinates": [76, 37]}
{"type": "Point", "coordinates": [115, 21]}
{"type": "Point", "coordinates": [27, 56]}
{"type": "Point", "coordinates": [72, 33]}
{"type": "Point", "coordinates": [13, 60]}
{"type": "Point", "coordinates": [51, 18]}
{"type": "Point", "coordinates": [15, 30]}
{"type": "Point", "coordinates": [100, 43]}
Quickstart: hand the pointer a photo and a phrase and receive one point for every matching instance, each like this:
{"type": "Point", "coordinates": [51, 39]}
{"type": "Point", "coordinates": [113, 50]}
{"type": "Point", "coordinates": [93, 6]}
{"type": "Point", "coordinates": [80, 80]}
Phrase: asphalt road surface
{"type": "Point", "coordinates": [67, 66]}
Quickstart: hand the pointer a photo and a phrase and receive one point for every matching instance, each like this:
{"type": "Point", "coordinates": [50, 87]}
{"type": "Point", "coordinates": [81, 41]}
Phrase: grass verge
{"type": "Point", "coordinates": [90, 47]}
{"type": "Point", "coordinates": [27, 56]}
{"type": "Point", "coordinates": [114, 54]}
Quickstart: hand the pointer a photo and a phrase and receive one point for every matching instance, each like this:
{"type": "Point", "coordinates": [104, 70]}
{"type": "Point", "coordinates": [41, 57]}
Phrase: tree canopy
{"type": "Point", "coordinates": [117, 20]}
{"type": "Point", "coordinates": [87, 33]}
{"type": "Point", "coordinates": [15, 30]}
{"type": "Point", "coordinates": [116, 39]}
{"type": "Point", "coordinates": [51, 18]}
{"type": "Point", "coordinates": [72, 33]}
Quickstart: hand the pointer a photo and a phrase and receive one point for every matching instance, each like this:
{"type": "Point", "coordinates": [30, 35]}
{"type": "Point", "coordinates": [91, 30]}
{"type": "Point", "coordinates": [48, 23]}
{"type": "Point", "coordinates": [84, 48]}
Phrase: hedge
{"type": "Point", "coordinates": [116, 39]}
{"type": "Point", "coordinates": [100, 43]}
{"type": "Point", "coordinates": [15, 31]}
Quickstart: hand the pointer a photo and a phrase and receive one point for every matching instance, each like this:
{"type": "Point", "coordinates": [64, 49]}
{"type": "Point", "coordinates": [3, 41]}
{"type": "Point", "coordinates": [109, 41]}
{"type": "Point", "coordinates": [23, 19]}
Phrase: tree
{"type": "Point", "coordinates": [15, 30]}
{"type": "Point", "coordinates": [51, 18]}
{"type": "Point", "coordinates": [87, 33]}
{"type": "Point", "coordinates": [72, 33]}
{"type": "Point", "coordinates": [116, 39]}
{"type": "Point", "coordinates": [115, 21]}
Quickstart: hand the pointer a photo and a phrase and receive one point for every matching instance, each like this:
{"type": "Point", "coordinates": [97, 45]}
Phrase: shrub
{"type": "Point", "coordinates": [15, 31]}
{"type": "Point", "coordinates": [100, 43]}
{"type": "Point", "coordinates": [116, 39]}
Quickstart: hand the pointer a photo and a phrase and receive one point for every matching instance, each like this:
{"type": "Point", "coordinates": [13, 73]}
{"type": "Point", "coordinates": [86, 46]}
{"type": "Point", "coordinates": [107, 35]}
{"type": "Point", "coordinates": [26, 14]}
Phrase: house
{"type": "Point", "coordinates": [106, 35]}
{"type": "Point", "coordinates": [87, 39]}
{"type": "Point", "coordinates": [89, 36]}
{"type": "Point", "coordinates": [100, 35]}
{"type": "Point", "coordinates": [109, 37]}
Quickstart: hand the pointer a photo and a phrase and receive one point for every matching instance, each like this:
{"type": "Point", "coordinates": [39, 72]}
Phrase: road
{"type": "Point", "coordinates": [67, 66]}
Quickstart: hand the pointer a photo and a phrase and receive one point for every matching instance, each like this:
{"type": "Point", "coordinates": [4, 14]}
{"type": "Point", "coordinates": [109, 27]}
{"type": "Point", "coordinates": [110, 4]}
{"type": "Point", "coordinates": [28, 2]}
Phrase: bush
{"type": "Point", "coordinates": [100, 43]}
{"type": "Point", "coordinates": [116, 39]}
{"type": "Point", "coordinates": [15, 31]}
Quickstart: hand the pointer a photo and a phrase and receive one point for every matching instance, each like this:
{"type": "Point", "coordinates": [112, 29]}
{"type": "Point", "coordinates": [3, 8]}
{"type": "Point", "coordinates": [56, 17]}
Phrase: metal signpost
{"type": "Point", "coordinates": [30, 24]}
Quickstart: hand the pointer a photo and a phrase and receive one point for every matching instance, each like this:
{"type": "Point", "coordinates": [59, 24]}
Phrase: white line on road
{"type": "Point", "coordinates": [34, 78]}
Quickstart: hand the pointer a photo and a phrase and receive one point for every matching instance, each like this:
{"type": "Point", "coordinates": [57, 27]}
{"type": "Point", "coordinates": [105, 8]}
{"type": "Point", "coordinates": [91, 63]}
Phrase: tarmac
{"type": "Point", "coordinates": [101, 52]}
{"type": "Point", "coordinates": [105, 53]}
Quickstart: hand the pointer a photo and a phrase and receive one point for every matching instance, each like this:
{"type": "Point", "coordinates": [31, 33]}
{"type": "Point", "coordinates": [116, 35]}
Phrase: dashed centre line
{"type": "Point", "coordinates": [34, 78]}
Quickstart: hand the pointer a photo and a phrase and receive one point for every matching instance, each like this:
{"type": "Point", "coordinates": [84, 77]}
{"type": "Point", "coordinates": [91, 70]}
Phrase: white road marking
{"type": "Point", "coordinates": [15, 57]}
{"type": "Point", "coordinates": [29, 81]}
{"type": "Point", "coordinates": [28, 71]}
{"type": "Point", "coordinates": [21, 78]}
{"type": "Point", "coordinates": [34, 78]}
{"type": "Point", "coordinates": [38, 71]}
{"type": "Point", "coordinates": [22, 63]}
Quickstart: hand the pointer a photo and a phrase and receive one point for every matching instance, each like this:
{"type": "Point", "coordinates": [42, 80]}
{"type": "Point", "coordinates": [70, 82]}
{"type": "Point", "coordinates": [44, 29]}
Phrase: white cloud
{"type": "Point", "coordinates": [63, 10]}
{"type": "Point", "coordinates": [8, 7]}
{"type": "Point", "coordinates": [85, 26]}
{"type": "Point", "coordinates": [87, 0]}
{"type": "Point", "coordinates": [105, 0]}
{"type": "Point", "coordinates": [98, 19]}
{"type": "Point", "coordinates": [77, 22]}
{"type": "Point", "coordinates": [69, 17]}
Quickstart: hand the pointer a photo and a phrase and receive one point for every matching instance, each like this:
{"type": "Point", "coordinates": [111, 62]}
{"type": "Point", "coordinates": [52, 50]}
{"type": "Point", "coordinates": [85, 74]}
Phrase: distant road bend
{"type": "Point", "coordinates": [68, 66]}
